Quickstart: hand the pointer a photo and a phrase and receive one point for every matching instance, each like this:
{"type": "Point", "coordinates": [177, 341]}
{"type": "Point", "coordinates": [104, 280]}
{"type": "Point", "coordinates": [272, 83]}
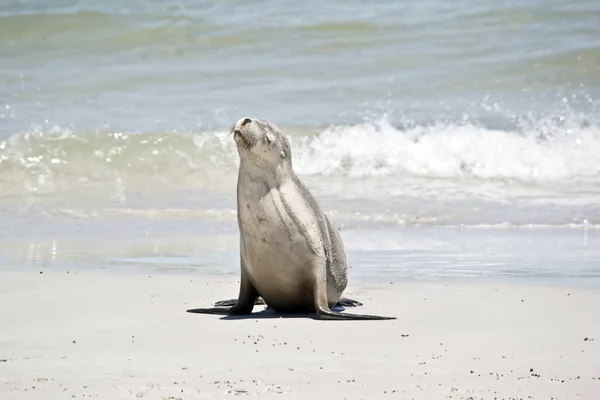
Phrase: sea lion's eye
{"type": "Point", "coordinates": [269, 138]}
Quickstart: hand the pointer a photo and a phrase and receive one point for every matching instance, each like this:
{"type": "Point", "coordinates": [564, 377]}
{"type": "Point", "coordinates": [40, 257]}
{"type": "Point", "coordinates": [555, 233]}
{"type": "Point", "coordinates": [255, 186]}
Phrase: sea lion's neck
{"type": "Point", "coordinates": [257, 161]}
{"type": "Point", "coordinates": [254, 168]}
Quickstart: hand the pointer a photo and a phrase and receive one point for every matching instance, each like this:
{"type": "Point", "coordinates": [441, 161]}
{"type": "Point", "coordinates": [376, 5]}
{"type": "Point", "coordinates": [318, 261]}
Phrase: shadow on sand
{"type": "Point", "coordinates": [268, 313]}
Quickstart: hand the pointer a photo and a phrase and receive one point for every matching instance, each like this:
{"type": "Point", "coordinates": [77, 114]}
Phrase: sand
{"type": "Point", "coordinates": [123, 335]}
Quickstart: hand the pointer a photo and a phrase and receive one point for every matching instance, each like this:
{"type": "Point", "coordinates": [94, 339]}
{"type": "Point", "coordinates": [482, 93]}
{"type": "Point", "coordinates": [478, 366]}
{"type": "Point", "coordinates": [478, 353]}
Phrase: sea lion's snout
{"type": "Point", "coordinates": [242, 122]}
{"type": "Point", "coordinates": [243, 132]}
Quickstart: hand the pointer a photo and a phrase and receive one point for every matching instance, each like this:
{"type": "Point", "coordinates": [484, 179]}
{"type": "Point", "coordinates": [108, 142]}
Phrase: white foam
{"type": "Point", "coordinates": [445, 150]}
{"type": "Point", "coordinates": [563, 156]}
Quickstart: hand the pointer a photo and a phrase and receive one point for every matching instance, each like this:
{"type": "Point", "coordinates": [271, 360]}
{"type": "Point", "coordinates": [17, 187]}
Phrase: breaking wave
{"type": "Point", "coordinates": [549, 150]}
{"type": "Point", "coordinates": [532, 154]}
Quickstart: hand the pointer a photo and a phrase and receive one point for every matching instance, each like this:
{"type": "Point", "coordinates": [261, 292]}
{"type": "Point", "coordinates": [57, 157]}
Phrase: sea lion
{"type": "Point", "coordinates": [291, 256]}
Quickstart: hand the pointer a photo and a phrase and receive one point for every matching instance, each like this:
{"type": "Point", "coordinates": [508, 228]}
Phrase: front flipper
{"type": "Point", "coordinates": [322, 306]}
{"type": "Point", "coordinates": [327, 314]}
{"type": "Point", "coordinates": [233, 302]}
{"type": "Point", "coordinates": [243, 305]}
{"type": "Point", "coordinates": [216, 310]}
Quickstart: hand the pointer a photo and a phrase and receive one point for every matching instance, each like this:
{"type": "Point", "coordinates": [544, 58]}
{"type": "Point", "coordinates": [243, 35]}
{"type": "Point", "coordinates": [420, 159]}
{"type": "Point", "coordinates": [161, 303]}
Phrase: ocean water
{"type": "Point", "coordinates": [466, 134]}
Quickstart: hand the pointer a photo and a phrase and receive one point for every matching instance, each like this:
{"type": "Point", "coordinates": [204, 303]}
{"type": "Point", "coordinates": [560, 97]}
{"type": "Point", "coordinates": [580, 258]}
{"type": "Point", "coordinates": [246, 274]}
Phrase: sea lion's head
{"type": "Point", "coordinates": [262, 143]}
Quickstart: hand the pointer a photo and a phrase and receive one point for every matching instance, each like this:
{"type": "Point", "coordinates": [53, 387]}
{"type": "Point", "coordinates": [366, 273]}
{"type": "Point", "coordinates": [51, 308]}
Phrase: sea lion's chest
{"type": "Point", "coordinates": [279, 232]}
{"type": "Point", "coordinates": [268, 222]}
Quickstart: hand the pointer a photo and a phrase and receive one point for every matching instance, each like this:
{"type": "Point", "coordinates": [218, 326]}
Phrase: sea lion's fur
{"type": "Point", "coordinates": [291, 256]}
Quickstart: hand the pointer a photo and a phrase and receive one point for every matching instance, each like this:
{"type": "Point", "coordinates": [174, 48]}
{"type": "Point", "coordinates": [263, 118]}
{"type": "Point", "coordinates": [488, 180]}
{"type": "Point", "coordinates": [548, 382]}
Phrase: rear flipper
{"type": "Point", "coordinates": [233, 302]}
{"type": "Point", "coordinates": [346, 302]}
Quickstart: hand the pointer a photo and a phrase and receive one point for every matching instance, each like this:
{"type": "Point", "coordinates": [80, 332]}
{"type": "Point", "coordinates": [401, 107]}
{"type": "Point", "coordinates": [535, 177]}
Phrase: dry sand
{"type": "Point", "coordinates": [107, 335]}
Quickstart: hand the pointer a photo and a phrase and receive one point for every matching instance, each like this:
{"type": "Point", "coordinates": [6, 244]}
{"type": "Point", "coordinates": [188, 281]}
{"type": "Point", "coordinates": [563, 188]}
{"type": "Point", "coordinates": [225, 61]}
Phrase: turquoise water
{"type": "Point", "coordinates": [403, 115]}
{"type": "Point", "coordinates": [156, 66]}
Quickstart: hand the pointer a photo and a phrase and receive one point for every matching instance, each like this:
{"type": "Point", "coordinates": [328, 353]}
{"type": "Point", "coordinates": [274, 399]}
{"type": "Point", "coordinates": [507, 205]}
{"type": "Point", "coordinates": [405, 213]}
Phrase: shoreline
{"type": "Point", "coordinates": [377, 255]}
{"type": "Point", "coordinates": [101, 334]}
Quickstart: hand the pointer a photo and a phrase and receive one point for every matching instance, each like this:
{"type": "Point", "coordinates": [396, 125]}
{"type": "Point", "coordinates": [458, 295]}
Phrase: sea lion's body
{"type": "Point", "coordinates": [290, 254]}
{"type": "Point", "coordinates": [279, 244]}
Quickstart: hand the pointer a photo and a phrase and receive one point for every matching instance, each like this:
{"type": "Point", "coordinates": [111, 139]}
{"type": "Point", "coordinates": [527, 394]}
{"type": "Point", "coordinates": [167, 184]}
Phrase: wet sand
{"type": "Point", "coordinates": [100, 334]}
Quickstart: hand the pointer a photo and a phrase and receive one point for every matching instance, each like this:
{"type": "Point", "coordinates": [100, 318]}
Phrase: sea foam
{"type": "Point", "coordinates": [450, 150]}
{"type": "Point", "coordinates": [544, 152]}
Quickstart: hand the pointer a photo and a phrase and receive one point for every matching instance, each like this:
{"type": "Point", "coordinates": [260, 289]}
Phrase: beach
{"type": "Point", "coordinates": [99, 334]}
{"type": "Point", "coordinates": [455, 148]}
